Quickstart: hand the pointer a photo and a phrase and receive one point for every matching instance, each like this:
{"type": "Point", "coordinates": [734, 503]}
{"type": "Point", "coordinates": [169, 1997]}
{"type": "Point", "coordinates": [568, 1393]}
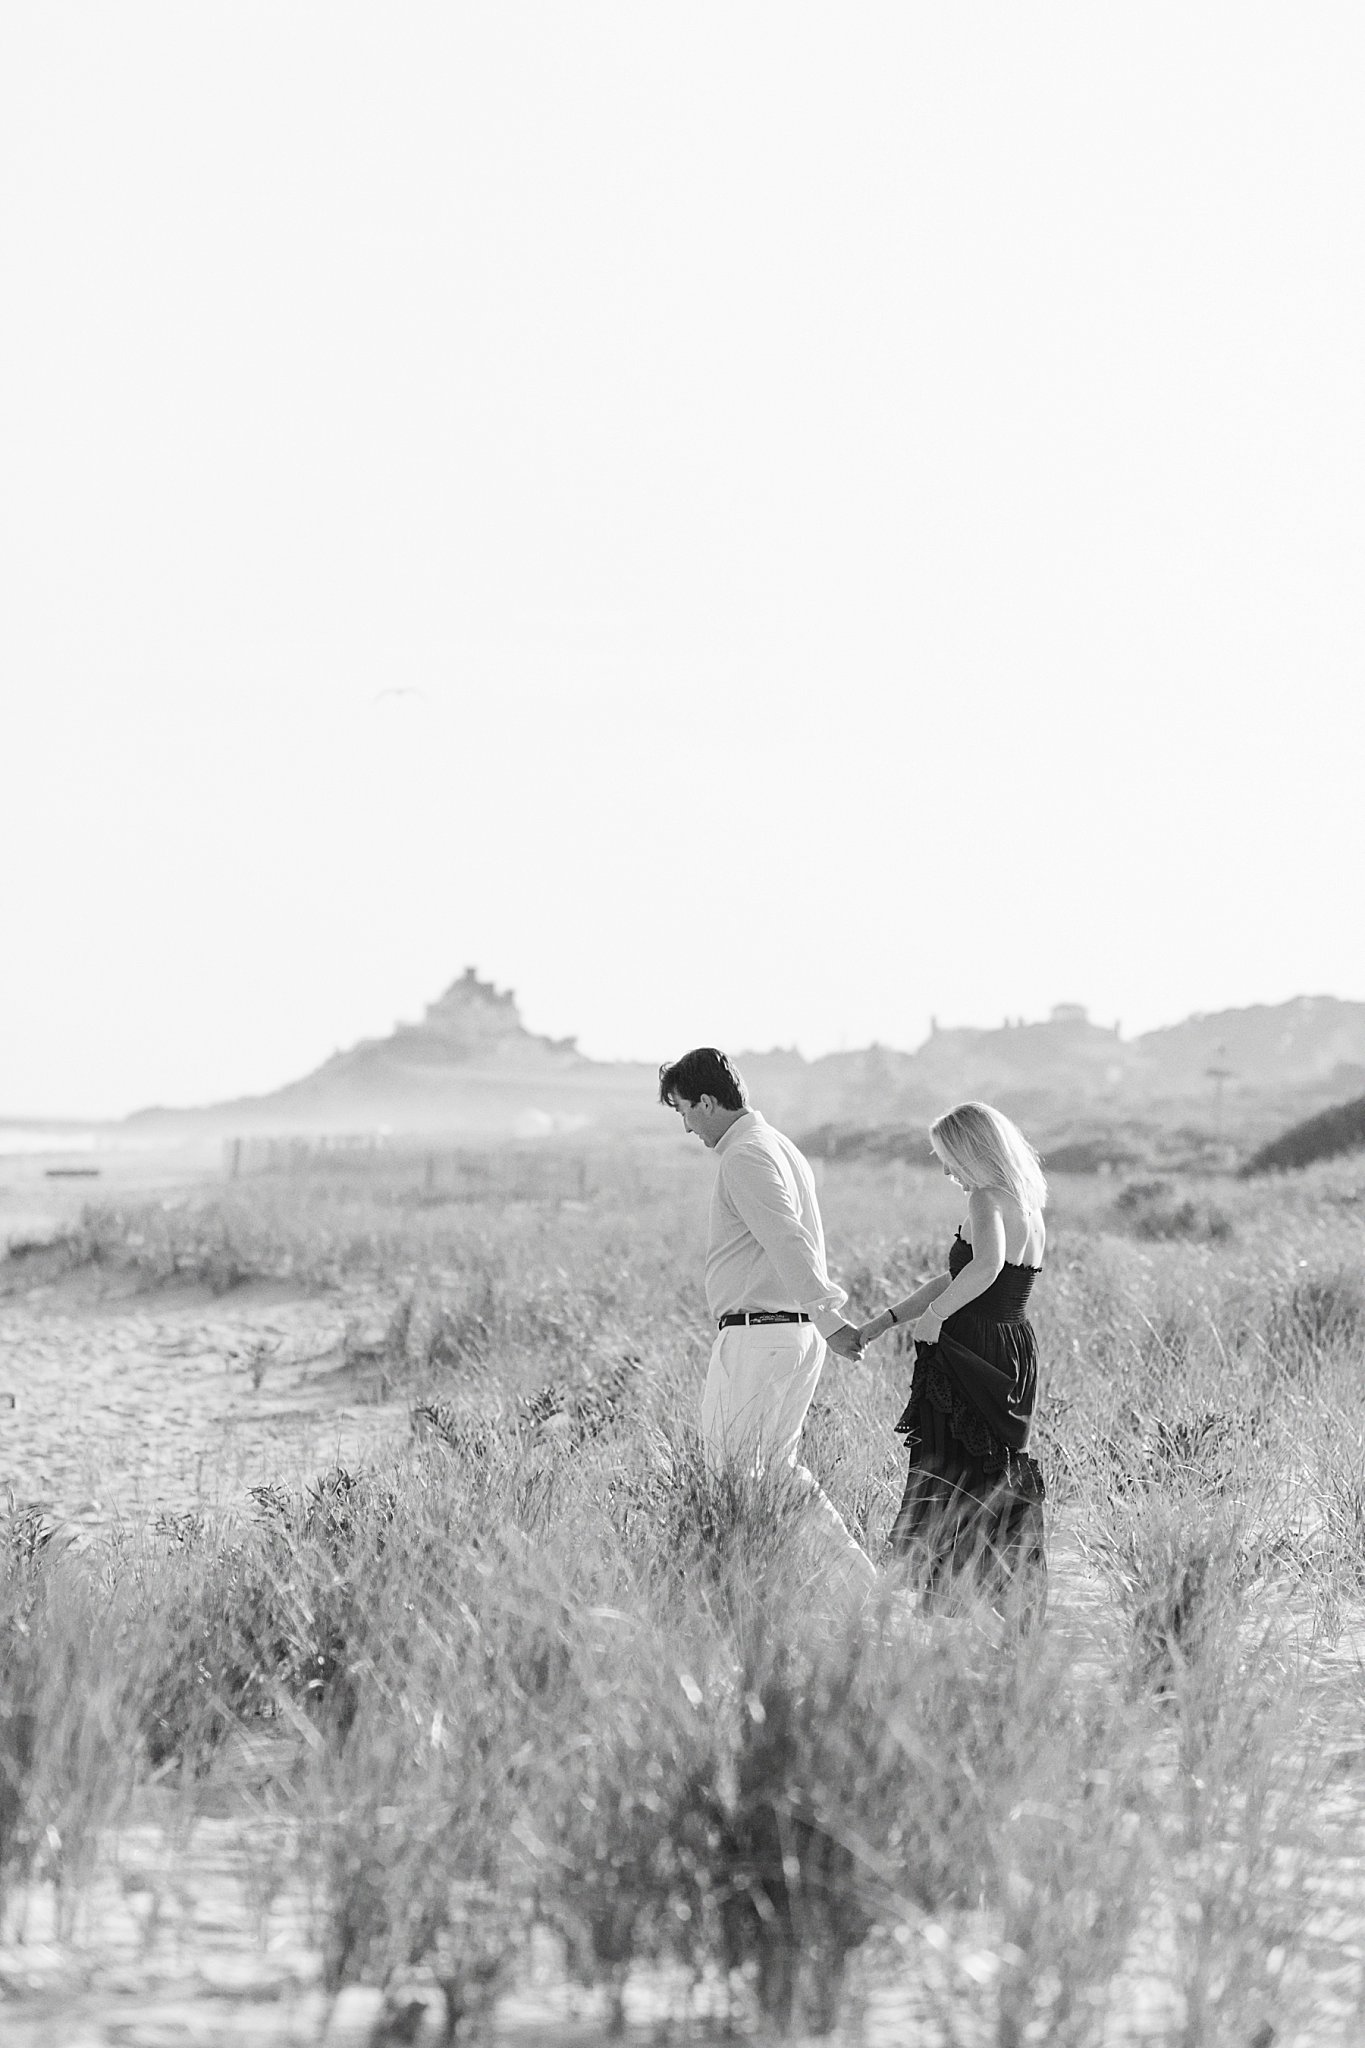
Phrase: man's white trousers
{"type": "Point", "coordinates": [759, 1385]}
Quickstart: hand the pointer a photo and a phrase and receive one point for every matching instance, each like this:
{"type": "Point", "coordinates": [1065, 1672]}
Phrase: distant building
{"type": "Point", "coordinates": [1070, 1013]}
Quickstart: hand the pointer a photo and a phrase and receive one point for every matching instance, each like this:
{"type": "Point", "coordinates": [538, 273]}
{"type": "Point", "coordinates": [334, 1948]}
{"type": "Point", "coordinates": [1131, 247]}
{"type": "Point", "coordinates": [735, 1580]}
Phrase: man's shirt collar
{"type": "Point", "coordinates": [744, 1122]}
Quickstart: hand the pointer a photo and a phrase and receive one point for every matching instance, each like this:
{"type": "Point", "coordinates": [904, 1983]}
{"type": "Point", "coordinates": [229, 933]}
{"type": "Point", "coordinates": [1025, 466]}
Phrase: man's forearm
{"type": "Point", "coordinates": [828, 1320]}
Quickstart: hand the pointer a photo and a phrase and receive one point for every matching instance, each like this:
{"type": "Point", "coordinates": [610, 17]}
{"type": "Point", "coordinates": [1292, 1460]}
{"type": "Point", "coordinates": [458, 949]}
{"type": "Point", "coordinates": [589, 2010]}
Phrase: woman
{"type": "Point", "coordinates": [973, 1503]}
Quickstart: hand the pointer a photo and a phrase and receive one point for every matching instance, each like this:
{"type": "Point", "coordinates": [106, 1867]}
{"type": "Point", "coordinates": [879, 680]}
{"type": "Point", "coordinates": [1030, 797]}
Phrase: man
{"type": "Point", "coordinates": [767, 1287]}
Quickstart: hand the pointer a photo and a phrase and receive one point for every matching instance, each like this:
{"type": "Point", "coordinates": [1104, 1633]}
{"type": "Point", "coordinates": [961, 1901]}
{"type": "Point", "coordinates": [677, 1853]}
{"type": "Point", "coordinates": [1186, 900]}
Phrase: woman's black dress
{"type": "Point", "coordinates": [973, 1503]}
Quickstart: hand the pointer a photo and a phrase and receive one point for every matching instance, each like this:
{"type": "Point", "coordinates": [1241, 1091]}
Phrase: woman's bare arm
{"type": "Point", "coordinates": [905, 1311]}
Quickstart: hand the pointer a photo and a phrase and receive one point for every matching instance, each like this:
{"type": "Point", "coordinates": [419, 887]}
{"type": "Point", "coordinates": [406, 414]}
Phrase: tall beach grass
{"type": "Point", "coordinates": [543, 1682]}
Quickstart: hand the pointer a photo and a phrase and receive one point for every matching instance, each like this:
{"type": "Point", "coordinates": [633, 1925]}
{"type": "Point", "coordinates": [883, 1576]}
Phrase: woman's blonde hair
{"type": "Point", "coordinates": [985, 1150]}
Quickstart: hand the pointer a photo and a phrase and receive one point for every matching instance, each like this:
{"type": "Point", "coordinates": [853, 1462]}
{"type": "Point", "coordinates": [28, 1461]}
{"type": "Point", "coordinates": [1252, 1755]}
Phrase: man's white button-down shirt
{"type": "Point", "coordinates": [766, 1244]}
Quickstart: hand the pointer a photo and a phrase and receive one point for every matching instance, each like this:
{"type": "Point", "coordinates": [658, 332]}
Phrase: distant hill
{"type": "Point", "coordinates": [1312, 1041]}
{"type": "Point", "coordinates": [472, 1024]}
{"type": "Point", "coordinates": [471, 1067]}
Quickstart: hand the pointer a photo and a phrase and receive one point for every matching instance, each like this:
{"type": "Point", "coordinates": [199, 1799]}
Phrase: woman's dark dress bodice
{"type": "Point", "coordinates": [973, 1498]}
{"type": "Point", "coordinates": [1006, 1299]}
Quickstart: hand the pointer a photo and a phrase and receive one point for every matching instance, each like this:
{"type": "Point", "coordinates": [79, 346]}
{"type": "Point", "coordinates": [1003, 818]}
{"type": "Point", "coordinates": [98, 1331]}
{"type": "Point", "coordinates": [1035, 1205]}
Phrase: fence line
{"type": "Point", "coordinates": [434, 1173]}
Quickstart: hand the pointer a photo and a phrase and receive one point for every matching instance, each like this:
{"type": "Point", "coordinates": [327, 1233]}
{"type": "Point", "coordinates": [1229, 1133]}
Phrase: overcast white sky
{"type": "Point", "coordinates": [751, 524]}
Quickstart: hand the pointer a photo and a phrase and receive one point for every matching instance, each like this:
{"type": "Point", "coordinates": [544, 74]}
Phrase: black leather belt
{"type": "Point", "coordinates": [763, 1315]}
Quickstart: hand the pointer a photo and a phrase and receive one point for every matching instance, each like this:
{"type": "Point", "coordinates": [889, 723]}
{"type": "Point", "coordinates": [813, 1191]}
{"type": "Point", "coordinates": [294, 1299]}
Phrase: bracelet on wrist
{"type": "Point", "coordinates": [891, 1318]}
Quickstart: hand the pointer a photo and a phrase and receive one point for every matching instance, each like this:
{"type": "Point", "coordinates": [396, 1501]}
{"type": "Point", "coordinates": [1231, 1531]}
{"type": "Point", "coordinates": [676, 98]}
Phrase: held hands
{"type": "Point", "coordinates": [847, 1341]}
{"type": "Point", "coordinates": [924, 1330]}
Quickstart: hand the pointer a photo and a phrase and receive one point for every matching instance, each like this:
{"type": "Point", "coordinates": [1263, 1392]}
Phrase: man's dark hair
{"type": "Point", "coordinates": [704, 1071]}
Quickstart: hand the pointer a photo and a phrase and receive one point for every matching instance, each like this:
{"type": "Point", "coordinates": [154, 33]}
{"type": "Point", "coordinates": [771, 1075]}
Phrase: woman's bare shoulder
{"type": "Point", "coordinates": [1024, 1230]}
{"type": "Point", "coordinates": [988, 1209]}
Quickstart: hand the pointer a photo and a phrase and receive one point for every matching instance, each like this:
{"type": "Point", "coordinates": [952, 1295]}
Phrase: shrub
{"type": "Point", "coordinates": [1325, 1136]}
{"type": "Point", "coordinates": [1151, 1211]}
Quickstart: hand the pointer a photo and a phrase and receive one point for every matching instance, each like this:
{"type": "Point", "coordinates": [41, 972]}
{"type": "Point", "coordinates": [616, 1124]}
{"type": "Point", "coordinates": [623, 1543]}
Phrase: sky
{"type": "Point", "coordinates": [750, 524]}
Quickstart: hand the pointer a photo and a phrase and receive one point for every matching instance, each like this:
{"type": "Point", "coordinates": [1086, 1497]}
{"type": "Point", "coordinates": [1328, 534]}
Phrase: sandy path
{"type": "Point", "coordinates": [129, 1404]}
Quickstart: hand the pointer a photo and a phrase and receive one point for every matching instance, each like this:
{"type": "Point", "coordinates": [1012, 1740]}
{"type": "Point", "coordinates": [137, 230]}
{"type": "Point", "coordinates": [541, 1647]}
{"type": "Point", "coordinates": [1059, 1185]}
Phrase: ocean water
{"type": "Point", "coordinates": [27, 1141]}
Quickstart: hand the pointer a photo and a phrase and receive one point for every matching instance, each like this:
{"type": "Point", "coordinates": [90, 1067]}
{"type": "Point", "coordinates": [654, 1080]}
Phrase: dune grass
{"type": "Point", "coordinates": [543, 1678]}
